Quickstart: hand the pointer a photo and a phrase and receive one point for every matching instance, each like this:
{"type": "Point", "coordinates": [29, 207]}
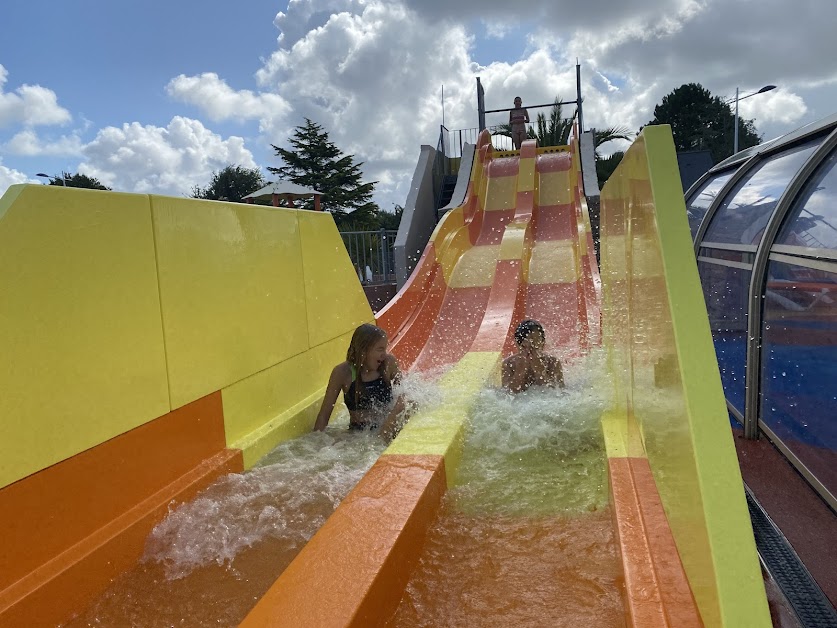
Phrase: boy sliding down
{"type": "Point", "coordinates": [530, 366]}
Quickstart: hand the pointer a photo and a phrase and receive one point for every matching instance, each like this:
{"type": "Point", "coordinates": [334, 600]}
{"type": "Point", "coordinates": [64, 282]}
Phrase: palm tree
{"type": "Point", "coordinates": [557, 130]}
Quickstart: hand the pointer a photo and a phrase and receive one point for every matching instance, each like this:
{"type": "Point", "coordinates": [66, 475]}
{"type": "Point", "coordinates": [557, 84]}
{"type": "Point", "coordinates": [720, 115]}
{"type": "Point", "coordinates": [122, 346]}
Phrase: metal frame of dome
{"type": "Point", "coordinates": [744, 163]}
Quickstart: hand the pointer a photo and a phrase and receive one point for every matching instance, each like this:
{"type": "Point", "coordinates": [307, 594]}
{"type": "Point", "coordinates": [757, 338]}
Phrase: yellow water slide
{"type": "Point", "coordinates": [154, 344]}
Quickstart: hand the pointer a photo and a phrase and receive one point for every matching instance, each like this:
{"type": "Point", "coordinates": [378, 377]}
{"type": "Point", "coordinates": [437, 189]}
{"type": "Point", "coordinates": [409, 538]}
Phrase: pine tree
{"type": "Point", "coordinates": [314, 161]}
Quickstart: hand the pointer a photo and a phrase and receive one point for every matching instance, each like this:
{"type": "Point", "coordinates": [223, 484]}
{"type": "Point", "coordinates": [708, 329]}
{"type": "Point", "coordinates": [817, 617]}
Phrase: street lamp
{"type": "Point", "coordinates": [766, 88]}
{"type": "Point", "coordinates": [63, 180]}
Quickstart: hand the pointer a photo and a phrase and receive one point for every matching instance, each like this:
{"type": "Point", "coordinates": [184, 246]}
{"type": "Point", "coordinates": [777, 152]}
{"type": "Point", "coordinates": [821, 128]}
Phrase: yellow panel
{"type": "Point", "coordinates": [553, 261]}
{"type": "Point", "coordinates": [501, 193]}
{"type": "Point", "coordinates": [83, 358]}
{"type": "Point", "coordinates": [449, 223]}
{"type": "Point", "coordinates": [335, 298]}
{"type": "Point", "coordinates": [441, 430]}
{"type": "Point", "coordinates": [450, 249]}
{"type": "Point", "coordinates": [514, 240]}
{"type": "Point", "coordinates": [232, 291]}
{"type": "Point", "coordinates": [281, 402]}
{"type": "Point", "coordinates": [526, 175]}
{"type": "Point", "coordinates": [554, 188]}
{"type": "Point", "coordinates": [475, 267]}
{"type": "Point", "coordinates": [664, 367]}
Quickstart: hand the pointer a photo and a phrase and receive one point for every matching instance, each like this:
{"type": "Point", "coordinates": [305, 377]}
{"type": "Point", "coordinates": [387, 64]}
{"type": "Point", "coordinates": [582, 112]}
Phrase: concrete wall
{"type": "Point", "coordinates": [418, 219]}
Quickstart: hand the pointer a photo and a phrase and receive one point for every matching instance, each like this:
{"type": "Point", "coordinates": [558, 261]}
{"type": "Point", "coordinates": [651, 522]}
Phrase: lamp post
{"type": "Point", "coordinates": [63, 179]}
{"type": "Point", "coordinates": [766, 88]}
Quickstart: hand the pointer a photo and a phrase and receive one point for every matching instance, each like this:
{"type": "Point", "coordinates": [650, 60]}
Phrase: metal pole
{"type": "Point", "coordinates": [381, 245]}
{"type": "Point", "coordinates": [735, 136]}
{"type": "Point", "coordinates": [578, 92]}
{"type": "Point", "coordinates": [480, 105]}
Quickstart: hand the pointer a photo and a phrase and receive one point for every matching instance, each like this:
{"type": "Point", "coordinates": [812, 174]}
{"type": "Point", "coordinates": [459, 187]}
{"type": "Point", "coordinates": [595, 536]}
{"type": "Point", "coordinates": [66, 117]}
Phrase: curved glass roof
{"type": "Point", "coordinates": [764, 222]}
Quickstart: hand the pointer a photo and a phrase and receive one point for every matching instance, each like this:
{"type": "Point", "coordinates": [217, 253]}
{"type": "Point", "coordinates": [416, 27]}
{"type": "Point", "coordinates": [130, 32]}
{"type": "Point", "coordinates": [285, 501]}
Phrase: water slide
{"type": "Point", "coordinates": [629, 509]}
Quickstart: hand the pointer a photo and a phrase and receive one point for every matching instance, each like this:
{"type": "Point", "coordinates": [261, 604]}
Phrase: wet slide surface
{"type": "Point", "coordinates": [525, 537]}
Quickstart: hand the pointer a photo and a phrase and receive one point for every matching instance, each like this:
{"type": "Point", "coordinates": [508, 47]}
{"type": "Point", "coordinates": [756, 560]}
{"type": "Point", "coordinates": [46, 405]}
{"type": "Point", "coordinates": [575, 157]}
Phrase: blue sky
{"type": "Point", "coordinates": [153, 96]}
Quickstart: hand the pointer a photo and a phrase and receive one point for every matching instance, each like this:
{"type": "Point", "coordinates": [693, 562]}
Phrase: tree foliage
{"type": "Point", "coordinates": [315, 162]}
{"type": "Point", "coordinates": [701, 121]}
{"type": "Point", "coordinates": [231, 183]}
{"type": "Point", "coordinates": [606, 165]}
{"type": "Point", "coordinates": [78, 180]}
{"type": "Point", "coordinates": [390, 220]}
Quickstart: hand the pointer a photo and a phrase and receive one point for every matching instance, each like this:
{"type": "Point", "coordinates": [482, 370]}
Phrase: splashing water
{"type": "Point", "coordinates": [288, 496]}
{"type": "Point", "coordinates": [525, 537]}
{"type": "Point", "coordinates": [211, 559]}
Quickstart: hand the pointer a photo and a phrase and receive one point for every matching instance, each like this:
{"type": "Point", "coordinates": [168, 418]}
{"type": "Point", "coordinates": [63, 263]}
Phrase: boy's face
{"type": "Point", "coordinates": [532, 343]}
{"type": "Point", "coordinates": [518, 103]}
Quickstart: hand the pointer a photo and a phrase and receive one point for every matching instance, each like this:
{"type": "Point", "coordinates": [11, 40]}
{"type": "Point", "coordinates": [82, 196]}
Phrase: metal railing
{"type": "Point", "coordinates": [372, 255]}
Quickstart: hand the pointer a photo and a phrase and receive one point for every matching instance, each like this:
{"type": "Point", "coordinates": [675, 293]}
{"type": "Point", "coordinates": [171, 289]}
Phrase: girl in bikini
{"type": "Point", "coordinates": [366, 379]}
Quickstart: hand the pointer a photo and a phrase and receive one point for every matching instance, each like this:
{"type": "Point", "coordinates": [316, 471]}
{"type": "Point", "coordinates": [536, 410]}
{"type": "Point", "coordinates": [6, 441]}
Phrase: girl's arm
{"type": "Point", "coordinates": [390, 427]}
{"type": "Point", "coordinates": [335, 385]}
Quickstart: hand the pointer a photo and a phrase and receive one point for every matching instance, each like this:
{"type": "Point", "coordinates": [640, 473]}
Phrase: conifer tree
{"type": "Point", "coordinates": [315, 162]}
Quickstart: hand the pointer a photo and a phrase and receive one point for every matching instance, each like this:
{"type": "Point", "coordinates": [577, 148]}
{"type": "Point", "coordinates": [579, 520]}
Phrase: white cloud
{"type": "Point", "coordinates": [28, 143]}
{"type": "Point", "coordinates": [220, 102]}
{"type": "Point", "coordinates": [167, 160]}
{"type": "Point", "coordinates": [30, 105]}
{"type": "Point", "coordinates": [777, 106]}
{"type": "Point", "coordinates": [10, 176]}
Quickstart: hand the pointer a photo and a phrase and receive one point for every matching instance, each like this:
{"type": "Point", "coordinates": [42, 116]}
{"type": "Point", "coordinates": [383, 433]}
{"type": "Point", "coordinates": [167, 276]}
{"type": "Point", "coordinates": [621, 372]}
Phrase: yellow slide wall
{"type": "Point", "coordinates": [663, 362]}
{"type": "Point", "coordinates": [118, 308]}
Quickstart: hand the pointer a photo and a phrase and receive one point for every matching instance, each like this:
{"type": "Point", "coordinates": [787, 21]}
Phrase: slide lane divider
{"type": "Point", "coordinates": [353, 571]}
{"type": "Point", "coordinates": [657, 592]}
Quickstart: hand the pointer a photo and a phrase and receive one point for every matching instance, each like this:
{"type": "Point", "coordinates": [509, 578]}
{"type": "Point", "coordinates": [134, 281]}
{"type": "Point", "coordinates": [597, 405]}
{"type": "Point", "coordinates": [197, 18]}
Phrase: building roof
{"type": "Point", "coordinates": [284, 189]}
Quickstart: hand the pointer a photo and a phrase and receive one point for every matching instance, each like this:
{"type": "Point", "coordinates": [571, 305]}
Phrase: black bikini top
{"type": "Point", "coordinates": [378, 392]}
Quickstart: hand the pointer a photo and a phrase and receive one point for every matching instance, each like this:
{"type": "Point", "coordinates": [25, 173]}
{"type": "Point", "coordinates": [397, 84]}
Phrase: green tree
{"type": "Point", "coordinates": [606, 165]}
{"type": "Point", "coordinates": [314, 161]}
{"type": "Point", "coordinates": [78, 180]}
{"type": "Point", "coordinates": [231, 183]}
{"type": "Point", "coordinates": [701, 121]}
{"type": "Point", "coordinates": [390, 220]}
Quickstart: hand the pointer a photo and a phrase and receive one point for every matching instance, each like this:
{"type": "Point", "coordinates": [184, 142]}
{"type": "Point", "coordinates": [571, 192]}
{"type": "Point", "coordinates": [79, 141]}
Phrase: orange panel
{"type": "Point", "coordinates": [555, 306]}
{"type": "Point", "coordinates": [455, 327]}
{"type": "Point", "coordinates": [395, 314]}
{"type": "Point", "coordinates": [69, 582]}
{"type": "Point", "coordinates": [656, 589]}
{"type": "Point", "coordinates": [488, 227]}
{"type": "Point", "coordinates": [554, 162]}
{"type": "Point", "coordinates": [556, 222]}
{"type": "Point", "coordinates": [81, 502]}
{"type": "Point", "coordinates": [354, 570]}
{"type": "Point", "coordinates": [416, 329]}
{"type": "Point", "coordinates": [502, 167]}
{"type": "Point", "coordinates": [499, 314]}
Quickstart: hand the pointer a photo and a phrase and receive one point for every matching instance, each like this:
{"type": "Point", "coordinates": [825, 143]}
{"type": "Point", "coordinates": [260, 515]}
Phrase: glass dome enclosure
{"type": "Point", "coordinates": [764, 224]}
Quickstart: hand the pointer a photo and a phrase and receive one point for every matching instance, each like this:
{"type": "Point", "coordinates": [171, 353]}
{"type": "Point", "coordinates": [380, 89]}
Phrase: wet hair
{"type": "Point", "coordinates": [527, 328]}
{"type": "Point", "coordinates": [362, 340]}
{"type": "Point", "coordinates": [516, 98]}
